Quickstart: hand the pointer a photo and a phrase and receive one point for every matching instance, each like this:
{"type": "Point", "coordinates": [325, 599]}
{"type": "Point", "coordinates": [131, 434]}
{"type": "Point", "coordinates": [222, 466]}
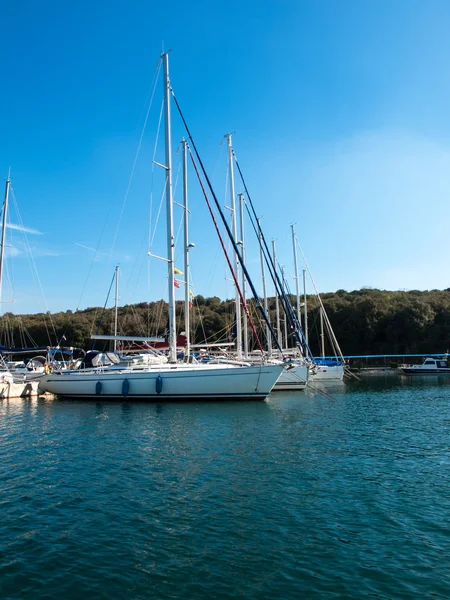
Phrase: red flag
{"type": "Point", "coordinates": [176, 283]}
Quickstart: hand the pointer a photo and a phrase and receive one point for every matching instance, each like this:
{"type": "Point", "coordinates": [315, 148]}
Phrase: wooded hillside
{"type": "Point", "coordinates": [366, 321]}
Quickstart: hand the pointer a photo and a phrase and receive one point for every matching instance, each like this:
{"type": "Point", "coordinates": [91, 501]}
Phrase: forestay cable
{"type": "Point", "coordinates": [230, 235]}
{"type": "Point", "coordinates": [244, 304]}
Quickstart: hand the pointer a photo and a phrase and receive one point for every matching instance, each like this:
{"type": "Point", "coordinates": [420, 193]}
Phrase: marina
{"type": "Point", "coordinates": [224, 320]}
{"type": "Point", "coordinates": [268, 351]}
{"type": "Point", "coordinates": [237, 376]}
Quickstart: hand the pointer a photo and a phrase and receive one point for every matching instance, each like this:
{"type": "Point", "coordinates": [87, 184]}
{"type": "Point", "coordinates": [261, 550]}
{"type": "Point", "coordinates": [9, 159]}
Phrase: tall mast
{"type": "Point", "coordinates": [241, 219]}
{"type": "Point", "coordinates": [277, 306]}
{"type": "Point", "coordinates": [116, 305]}
{"type": "Point", "coordinates": [285, 316]}
{"type": "Point", "coordinates": [305, 308]}
{"type": "Point", "coordinates": [169, 211]}
{"type": "Point", "coordinates": [236, 260]}
{"type": "Point", "coordinates": [297, 286]}
{"type": "Point", "coordinates": [266, 308]}
{"type": "Point", "coordinates": [186, 251]}
{"type": "Point", "coordinates": [2, 248]}
{"type": "Point", "coordinates": [322, 337]}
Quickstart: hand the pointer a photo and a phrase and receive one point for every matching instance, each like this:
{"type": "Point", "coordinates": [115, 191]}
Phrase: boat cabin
{"type": "Point", "coordinates": [429, 365]}
{"type": "Point", "coordinates": [435, 362]}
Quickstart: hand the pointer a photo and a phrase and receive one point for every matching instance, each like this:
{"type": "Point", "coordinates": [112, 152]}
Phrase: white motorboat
{"type": "Point", "coordinates": [430, 366]}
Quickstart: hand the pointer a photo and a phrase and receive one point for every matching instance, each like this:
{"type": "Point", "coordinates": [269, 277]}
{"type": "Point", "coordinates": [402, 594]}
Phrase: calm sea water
{"type": "Point", "coordinates": [297, 497]}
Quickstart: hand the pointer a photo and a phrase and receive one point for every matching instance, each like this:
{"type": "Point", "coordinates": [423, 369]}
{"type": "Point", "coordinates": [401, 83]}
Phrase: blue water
{"type": "Point", "coordinates": [298, 497]}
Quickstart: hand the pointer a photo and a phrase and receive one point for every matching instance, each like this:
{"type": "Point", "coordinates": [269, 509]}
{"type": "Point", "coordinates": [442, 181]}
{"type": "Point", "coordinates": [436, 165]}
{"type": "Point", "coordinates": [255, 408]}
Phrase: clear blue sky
{"type": "Point", "coordinates": [342, 125]}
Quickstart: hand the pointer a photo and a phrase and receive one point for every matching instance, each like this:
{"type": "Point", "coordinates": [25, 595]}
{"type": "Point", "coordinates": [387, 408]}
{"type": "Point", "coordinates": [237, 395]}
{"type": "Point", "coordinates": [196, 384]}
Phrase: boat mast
{"type": "Point", "coordinates": [297, 287]}
{"type": "Point", "coordinates": [285, 315]}
{"type": "Point", "coordinates": [322, 337]}
{"type": "Point", "coordinates": [186, 251]}
{"type": "Point", "coordinates": [2, 248]}
{"type": "Point", "coordinates": [277, 306]}
{"type": "Point", "coordinates": [169, 211]}
{"type": "Point", "coordinates": [236, 259]}
{"type": "Point", "coordinates": [116, 305]}
{"type": "Point", "coordinates": [242, 242]}
{"type": "Point", "coordinates": [266, 308]}
{"type": "Point", "coordinates": [305, 308]}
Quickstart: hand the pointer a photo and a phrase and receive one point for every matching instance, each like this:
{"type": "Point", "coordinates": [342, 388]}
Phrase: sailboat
{"type": "Point", "coordinates": [325, 369]}
{"type": "Point", "coordinates": [294, 376]}
{"type": "Point", "coordinates": [12, 385]}
{"type": "Point", "coordinates": [170, 380]}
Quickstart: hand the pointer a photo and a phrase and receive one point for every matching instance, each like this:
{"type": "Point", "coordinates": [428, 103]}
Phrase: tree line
{"type": "Point", "coordinates": [365, 321]}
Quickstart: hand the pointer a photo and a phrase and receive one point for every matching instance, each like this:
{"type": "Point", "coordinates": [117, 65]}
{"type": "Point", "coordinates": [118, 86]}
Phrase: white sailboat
{"type": "Point", "coordinates": [296, 377]}
{"type": "Point", "coordinates": [169, 380]}
{"type": "Point", "coordinates": [328, 369]}
{"type": "Point", "coordinates": [325, 369]}
{"type": "Point", "coordinates": [11, 385]}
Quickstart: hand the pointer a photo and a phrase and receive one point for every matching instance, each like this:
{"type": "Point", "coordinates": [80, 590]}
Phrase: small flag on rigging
{"type": "Point", "coordinates": [176, 283]}
{"type": "Point", "coordinates": [177, 271]}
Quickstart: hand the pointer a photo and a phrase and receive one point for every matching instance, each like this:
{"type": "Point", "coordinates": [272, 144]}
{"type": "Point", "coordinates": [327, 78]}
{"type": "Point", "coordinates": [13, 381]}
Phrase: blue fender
{"type": "Point", "coordinates": [125, 387]}
{"type": "Point", "coordinates": [98, 388]}
{"type": "Point", "coordinates": [159, 384]}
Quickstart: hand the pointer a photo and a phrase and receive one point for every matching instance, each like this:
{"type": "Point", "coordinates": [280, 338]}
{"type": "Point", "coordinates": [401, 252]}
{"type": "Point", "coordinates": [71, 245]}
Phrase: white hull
{"type": "Point", "coordinates": [422, 371]}
{"type": "Point", "coordinates": [430, 366]}
{"type": "Point", "coordinates": [335, 373]}
{"type": "Point", "coordinates": [166, 382]}
{"type": "Point", "coordinates": [18, 390]}
{"type": "Point", "coordinates": [293, 379]}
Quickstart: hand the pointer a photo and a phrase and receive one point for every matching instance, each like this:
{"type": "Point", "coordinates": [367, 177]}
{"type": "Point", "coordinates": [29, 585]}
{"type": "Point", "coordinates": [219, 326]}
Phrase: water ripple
{"type": "Point", "coordinates": [295, 497]}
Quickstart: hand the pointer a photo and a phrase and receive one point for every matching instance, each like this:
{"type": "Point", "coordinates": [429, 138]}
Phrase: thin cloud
{"type": "Point", "coordinates": [21, 250]}
{"type": "Point", "coordinates": [41, 253]}
{"type": "Point", "coordinates": [12, 251]}
{"type": "Point", "coordinates": [24, 229]}
{"type": "Point", "coordinates": [101, 256]}
{"type": "Point", "coordinates": [85, 247]}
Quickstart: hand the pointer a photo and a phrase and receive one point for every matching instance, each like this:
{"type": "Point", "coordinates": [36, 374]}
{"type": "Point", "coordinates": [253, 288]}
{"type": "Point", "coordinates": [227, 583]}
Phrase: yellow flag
{"type": "Point", "coordinates": [177, 271]}
{"type": "Point", "coordinates": [191, 293]}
